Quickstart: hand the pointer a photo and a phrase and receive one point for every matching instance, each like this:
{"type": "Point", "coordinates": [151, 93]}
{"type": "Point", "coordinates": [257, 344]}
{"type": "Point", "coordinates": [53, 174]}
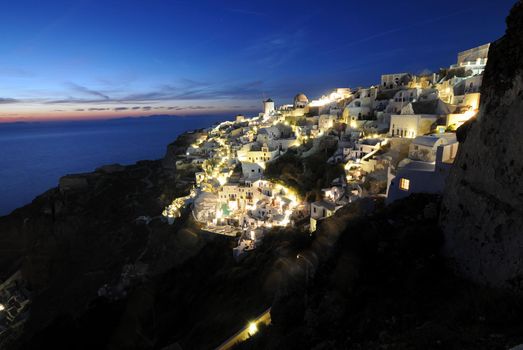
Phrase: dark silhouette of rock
{"type": "Point", "coordinates": [383, 284]}
{"type": "Point", "coordinates": [482, 215]}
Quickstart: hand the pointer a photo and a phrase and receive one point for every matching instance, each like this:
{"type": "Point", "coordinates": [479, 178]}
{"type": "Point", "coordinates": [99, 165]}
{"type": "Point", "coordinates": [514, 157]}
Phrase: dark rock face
{"type": "Point", "coordinates": [178, 147]}
{"type": "Point", "coordinates": [482, 215]}
{"type": "Point", "coordinates": [83, 234]}
{"type": "Point", "coordinates": [74, 238]}
{"type": "Point", "coordinates": [385, 285]}
{"type": "Point", "coordinates": [105, 271]}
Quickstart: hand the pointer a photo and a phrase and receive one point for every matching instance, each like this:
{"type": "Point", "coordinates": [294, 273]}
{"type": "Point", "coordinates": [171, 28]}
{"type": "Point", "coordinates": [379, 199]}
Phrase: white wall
{"type": "Point", "coordinates": [251, 170]}
{"type": "Point", "coordinates": [410, 126]}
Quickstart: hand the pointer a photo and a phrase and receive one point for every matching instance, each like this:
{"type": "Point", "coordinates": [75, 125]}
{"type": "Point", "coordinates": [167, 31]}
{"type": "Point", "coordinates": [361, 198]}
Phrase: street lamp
{"type": "Point", "coordinates": [253, 328]}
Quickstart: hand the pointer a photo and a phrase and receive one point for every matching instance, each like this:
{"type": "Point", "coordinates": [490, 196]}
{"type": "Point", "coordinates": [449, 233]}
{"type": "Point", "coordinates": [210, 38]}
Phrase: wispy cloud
{"type": "Point", "coordinates": [200, 107]}
{"type": "Point", "coordinates": [393, 31]}
{"type": "Point", "coordinates": [84, 90]}
{"type": "Point", "coordinates": [276, 50]}
{"type": "Point", "coordinates": [188, 90]}
{"type": "Point", "coordinates": [8, 100]}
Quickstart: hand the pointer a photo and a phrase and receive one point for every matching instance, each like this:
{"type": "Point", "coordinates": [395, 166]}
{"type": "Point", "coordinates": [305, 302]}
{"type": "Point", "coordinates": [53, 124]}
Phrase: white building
{"type": "Point", "coordinates": [254, 159]}
{"type": "Point", "coordinates": [340, 94]}
{"type": "Point", "coordinates": [237, 196]}
{"type": "Point", "coordinates": [321, 210]}
{"type": "Point", "coordinates": [326, 122]}
{"type": "Point", "coordinates": [401, 99]}
{"type": "Point", "coordinates": [424, 148]}
{"type": "Point", "coordinates": [410, 126]}
{"type": "Point", "coordinates": [253, 153]}
{"type": "Point", "coordinates": [392, 81]}
{"type": "Point", "coordinates": [300, 101]}
{"type": "Point", "coordinates": [364, 147]}
{"type": "Point", "coordinates": [421, 177]}
{"type": "Point", "coordinates": [474, 60]}
{"type": "Point", "coordinates": [362, 105]}
{"type": "Point", "coordinates": [253, 204]}
{"type": "Point", "coordinates": [417, 118]}
{"type": "Point", "coordinates": [269, 133]}
{"type": "Point", "coordinates": [268, 108]}
{"type": "Point", "coordinates": [282, 144]}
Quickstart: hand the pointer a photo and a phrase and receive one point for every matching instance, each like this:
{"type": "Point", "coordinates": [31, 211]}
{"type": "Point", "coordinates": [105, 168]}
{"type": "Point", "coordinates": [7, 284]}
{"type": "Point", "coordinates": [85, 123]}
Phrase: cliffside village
{"type": "Point", "coordinates": [393, 139]}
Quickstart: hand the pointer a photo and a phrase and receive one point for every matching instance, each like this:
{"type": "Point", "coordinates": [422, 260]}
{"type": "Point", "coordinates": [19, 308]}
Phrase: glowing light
{"type": "Point", "coordinates": [469, 114]}
{"type": "Point", "coordinates": [320, 103]}
{"type": "Point", "coordinates": [335, 96]}
{"type": "Point", "coordinates": [404, 184]}
{"type": "Point", "coordinates": [2, 307]}
{"type": "Point", "coordinates": [253, 328]}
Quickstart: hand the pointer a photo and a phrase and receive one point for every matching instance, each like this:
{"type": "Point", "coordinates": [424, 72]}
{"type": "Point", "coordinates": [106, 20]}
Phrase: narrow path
{"type": "Point", "coordinates": [246, 332]}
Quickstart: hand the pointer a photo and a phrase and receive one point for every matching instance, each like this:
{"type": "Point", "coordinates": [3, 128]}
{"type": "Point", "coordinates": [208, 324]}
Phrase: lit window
{"type": "Point", "coordinates": [404, 184]}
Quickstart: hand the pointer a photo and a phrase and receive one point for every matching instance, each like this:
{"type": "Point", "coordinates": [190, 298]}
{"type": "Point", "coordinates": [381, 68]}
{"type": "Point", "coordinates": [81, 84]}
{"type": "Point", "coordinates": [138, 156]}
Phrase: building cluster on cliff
{"type": "Point", "coordinates": [392, 140]}
{"type": "Point", "coordinates": [14, 305]}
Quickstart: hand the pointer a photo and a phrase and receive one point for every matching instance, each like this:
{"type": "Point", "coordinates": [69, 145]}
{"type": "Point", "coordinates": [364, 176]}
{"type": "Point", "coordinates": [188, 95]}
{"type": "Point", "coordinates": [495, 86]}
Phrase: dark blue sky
{"type": "Point", "coordinates": [74, 59]}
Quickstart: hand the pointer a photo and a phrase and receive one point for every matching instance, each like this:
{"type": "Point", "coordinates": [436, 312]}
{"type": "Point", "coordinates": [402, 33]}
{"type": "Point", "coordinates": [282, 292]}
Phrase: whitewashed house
{"type": "Point", "coordinates": [417, 118]}
{"type": "Point", "coordinates": [321, 210]}
{"type": "Point", "coordinates": [414, 176]}
{"type": "Point", "coordinates": [392, 81]}
{"type": "Point", "coordinates": [361, 107]}
{"type": "Point", "coordinates": [424, 148]}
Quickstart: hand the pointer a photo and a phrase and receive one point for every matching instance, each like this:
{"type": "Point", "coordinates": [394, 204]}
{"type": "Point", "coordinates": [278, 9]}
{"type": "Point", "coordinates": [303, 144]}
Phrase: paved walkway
{"type": "Point", "coordinates": [246, 332]}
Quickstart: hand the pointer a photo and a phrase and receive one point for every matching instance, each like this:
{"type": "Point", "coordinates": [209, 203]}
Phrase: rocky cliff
{"type": "Point", "coordinates": [380, 282]}
{"type": "Point", "coordinates": [482, 215]}
{"type": "Point", "coordinates": [96, 229]}
{"type": "Point", "coordinates": [104, 270]}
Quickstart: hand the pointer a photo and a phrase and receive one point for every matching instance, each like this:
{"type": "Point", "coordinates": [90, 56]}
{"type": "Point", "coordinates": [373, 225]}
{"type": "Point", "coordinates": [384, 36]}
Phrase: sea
{"type": "Point", "coordinates": [34, 155]}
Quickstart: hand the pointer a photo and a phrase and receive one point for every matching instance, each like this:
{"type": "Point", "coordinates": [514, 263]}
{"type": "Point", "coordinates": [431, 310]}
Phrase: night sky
{"type": "Point", "coordinates": [97, 59]}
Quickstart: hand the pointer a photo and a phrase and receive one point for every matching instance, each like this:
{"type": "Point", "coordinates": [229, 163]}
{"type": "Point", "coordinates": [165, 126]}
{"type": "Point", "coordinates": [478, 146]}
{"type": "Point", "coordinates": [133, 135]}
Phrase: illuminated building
{"type": "Point", "coordinates": [423, 171]}
{"type": "Point", "coordinates": [268, 108]}
{"type": "Point", "coordinates": [300, 101]}
{"type": "Point", "coordinates": [392, 81]}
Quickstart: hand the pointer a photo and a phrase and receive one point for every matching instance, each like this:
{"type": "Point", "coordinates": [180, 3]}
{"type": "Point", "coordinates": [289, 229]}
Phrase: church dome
{"type": "Point", "coordinates": [301, 98]}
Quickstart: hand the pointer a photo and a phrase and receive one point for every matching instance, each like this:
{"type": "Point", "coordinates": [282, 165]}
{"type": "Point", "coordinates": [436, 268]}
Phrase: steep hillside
{"type": "Point", "coordinates": [482, 215]}
{"type": "Point", "coordinates": [385, 285]}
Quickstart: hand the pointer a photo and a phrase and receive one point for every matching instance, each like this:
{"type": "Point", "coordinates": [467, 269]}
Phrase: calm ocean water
{"type": "Point", "coordinates": [33, 156]}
